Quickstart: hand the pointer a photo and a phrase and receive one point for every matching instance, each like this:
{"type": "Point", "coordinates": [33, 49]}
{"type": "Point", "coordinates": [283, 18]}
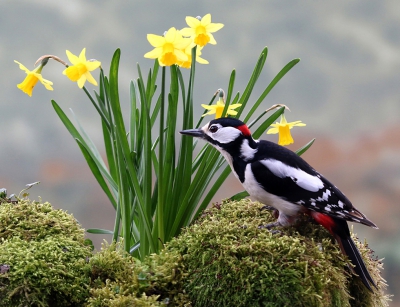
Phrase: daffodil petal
{"type": "Point", "coordinates": [153, 54]}
{"type": "Point", "coordinates": [214, 27]}
{"type": "Point", "coordinates": [206, 20]}
{"type": "Point", "coordinates": [170, 35]}
{"type": "Point", "coordinates": [47, 84]}
{"type": "Point", "coordinates": [187, 32]}
{"type": "Point", "coordinates": [81, 81]}
{"type": "Point", "coordinates": [208, 107]}
{"type": "Point", "coordinates": [22, 67]}
{"type": "Point", "coordinates": [212, 39]}
{"type": "Point", "coordinates": [72, 57]}
{"type": "Point", "coordinates": [92, 65]}
{"type": "Point", "coordinates": [82, 55]}
{"type": "Point", "coordinates": [235, 105]}
{"type": "Point", "coordinates": [211, 112]}
{"type": "Point", "coordinates": [182, 43]}
{"type": "Point", "coordinates": [155, 40]}
{"type": "Point", "coordinates": [90, 78]}
{"type": "Point", "coordinates": [231, 112]}
{"type": "Point", "coordinates": [180, 55]}
{"type": "Point", "coordinates": [201, 60]}
{"type": "Point", "coordinates": [192, 22]}
{"type": "Point", "coordinates": [272, 131]}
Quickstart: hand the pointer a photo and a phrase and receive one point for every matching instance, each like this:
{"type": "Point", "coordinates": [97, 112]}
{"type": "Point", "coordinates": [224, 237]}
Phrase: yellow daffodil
{"type": "Point", "coordinates": [200, 30]}
{"type": "Point", "coordinates": [81, 68]}
{"type": "Point", "coordinates": [168, 48]}
{"type": "Point", "coordinates": [32, 77]}
{"type": "Point", "coordinates": [188, 52]}
{"type": "Point", "coordinates": [219, 108]}
{"type": "Point", "coordinates": [283, 128]}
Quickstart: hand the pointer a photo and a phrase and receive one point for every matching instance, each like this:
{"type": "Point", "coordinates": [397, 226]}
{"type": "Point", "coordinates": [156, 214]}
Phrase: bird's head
{"type": "Point", "coordinates": [221, 132]}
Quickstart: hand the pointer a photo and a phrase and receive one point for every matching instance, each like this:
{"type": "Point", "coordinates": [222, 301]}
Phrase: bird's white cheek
{"type": "Point", "coordinates": [225, 135]}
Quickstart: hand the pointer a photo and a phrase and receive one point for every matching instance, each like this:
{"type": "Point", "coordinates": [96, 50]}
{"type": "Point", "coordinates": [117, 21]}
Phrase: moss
{"type": "Point", "coordinates": [223, 259]}
{"type": "Point", "coordinates": [43, 257]}
{"type": "Point", "coordinates": [30, 220]}
{"type": "Point", "coordinates": [164, 275]}
{"type": "Point", "coordinates": [230, 261]}
{"type": "Point", "coordinates": [112, 264]}
{"type": "Point", "coordinates": [49, 272]}
{"type": "Point", "coordinates": [120, 280]}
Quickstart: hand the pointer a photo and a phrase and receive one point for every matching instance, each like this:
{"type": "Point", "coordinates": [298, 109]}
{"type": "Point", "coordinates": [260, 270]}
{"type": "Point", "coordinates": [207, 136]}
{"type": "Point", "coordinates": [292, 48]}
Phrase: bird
{"type": "Point", "coordinates": [279, 178]}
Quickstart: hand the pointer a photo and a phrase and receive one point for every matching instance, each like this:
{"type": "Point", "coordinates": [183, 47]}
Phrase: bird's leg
{"type": "Point", "coordinates": [283, 220]}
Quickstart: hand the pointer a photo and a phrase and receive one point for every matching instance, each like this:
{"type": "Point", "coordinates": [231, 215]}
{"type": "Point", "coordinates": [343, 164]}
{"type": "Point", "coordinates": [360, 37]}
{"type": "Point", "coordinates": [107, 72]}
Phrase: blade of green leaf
{"type": "Point", "coordinates": [96, 173]}
{"type": "Point", "coordinates": [99, 231]}
{"type": "Point", "coordinates": [303, 149]}
{"type": "Point", "coordinates": [270, 86]}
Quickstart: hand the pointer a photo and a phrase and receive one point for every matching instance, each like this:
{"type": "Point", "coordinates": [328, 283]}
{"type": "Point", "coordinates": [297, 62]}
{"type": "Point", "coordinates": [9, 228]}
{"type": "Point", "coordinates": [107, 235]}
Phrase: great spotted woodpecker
{"type": "Point", "coordinates": [277, 177]}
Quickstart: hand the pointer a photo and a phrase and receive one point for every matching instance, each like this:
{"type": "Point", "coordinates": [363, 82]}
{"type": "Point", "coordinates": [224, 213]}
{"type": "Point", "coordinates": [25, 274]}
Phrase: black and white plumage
{"type": "Point", "coordinates": [277, 177]}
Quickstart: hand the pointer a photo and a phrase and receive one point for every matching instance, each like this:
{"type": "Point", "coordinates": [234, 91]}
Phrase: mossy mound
{"type": "Point", "coordinates": [43, 257]}
{"type": "Point", "coordinates": [49, 272]}
{"type": "Point", "coordinates": [230, 261]}
{"type": "Point", "coordinates": [119, 280]}
{"type": "Point", "coordinates": [30, 220]}
{"type": "Point", "coordinates": [223, 259]}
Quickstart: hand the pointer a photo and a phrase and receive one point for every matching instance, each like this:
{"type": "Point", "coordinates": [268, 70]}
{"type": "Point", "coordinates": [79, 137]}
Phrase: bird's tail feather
{"type": "Point", "coordinates": [350, 249]}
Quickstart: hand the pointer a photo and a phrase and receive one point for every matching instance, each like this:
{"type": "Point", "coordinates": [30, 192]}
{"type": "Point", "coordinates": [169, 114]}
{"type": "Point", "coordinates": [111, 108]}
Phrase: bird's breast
{"type": "Point", "coordinates": [257, 192]}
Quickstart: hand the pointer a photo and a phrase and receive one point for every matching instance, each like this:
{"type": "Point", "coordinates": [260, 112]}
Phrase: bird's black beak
{"type": "Point", "coordinates": [197, 133]}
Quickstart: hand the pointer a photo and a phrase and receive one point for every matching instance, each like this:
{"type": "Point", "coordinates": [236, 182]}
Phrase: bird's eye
{"type": "Point", "coordinates": [213, 129]}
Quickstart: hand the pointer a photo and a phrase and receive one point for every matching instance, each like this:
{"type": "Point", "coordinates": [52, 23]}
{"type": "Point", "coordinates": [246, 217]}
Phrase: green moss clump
{"type": "Point", "coordinates": [117, 279]}
{"type": "Point", "coordinates": [30, 220]}
{"type": "Point", "coordinates": [230, 261]}
{"type": "Point", "coordinates": [43, 256]}
{"type": "Point", "coordinates": [49, 272]}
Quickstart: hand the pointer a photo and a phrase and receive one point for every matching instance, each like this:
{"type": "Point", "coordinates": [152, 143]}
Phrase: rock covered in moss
{"type": "Point", "coordinates": [30, 220]}
{"type": "Point", "coordinates": [230, 261]}
{"type": "Point", "coordinates": [49, 272]}
{"type": "Point", "coordinates": [42, 256]}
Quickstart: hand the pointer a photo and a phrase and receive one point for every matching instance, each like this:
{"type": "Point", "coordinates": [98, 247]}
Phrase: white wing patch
{"type": "Point", "coordinates": [302, 179]}
{"type": "Point", "coordinates": [246, 152]}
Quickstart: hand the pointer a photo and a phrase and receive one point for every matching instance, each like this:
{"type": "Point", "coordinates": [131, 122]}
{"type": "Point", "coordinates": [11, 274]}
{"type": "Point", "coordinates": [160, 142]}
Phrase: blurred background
{"type": "Point", "coordinates": [346, 88]}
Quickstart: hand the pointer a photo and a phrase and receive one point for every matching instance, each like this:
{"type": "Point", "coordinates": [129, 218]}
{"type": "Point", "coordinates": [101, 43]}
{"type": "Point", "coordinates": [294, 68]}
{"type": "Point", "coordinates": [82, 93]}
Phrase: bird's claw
{"type": "Point", "coordinates": [270, 226]}
{"type": "Point", "coordinates": [269, 208]}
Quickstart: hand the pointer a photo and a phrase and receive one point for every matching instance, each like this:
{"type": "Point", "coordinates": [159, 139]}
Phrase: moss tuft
{"type": "Point", "coordinates": [43, 257]}
{"type": "Point", "coordinates": [49, 272]}
{"type": "Point", "coordinates": [230, 261]}
{"type": "Point", "coordinates": [30, 220]}
{"type": "Point", "coordinates": [120, 280]}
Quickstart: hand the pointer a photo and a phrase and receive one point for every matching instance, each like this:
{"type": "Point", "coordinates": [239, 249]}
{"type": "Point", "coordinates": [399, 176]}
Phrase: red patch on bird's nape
{"type": "Point", "coordinates": [325, 220]}
{"type": "Point", "coordinates": [244, 129]}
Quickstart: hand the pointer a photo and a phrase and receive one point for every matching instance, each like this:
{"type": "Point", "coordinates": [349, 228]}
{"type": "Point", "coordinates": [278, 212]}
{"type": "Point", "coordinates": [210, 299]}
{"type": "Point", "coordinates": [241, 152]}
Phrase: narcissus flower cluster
{"type": "Point", "coordinates": [78, 72]}
{"type": "Point", "coordinates": [175, 46]}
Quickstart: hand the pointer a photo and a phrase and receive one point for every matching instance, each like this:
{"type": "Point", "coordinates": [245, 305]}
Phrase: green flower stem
{"type": "Point", "coordinates": [161, 200]}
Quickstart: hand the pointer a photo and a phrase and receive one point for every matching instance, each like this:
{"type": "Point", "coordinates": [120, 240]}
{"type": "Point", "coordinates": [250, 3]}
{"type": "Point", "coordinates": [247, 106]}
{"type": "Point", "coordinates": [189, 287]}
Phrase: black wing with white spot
{"type": "Point", "coordinates": [283, 173]}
